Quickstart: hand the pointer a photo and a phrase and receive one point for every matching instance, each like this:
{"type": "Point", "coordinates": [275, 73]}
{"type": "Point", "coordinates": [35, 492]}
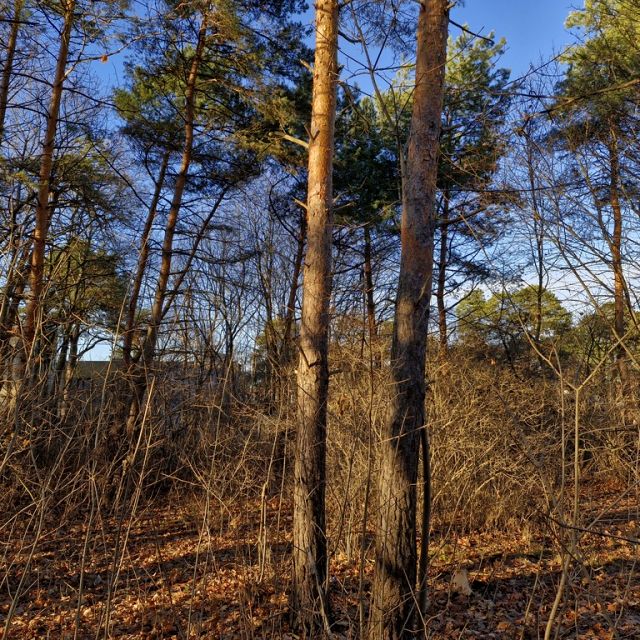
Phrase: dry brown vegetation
{"type": "Point", "coordinates": [369, 317]}
{"type": "Point", "coordinates": [193, 539]}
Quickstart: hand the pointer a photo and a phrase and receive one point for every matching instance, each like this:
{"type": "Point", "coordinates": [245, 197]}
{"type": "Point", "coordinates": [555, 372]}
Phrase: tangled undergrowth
{"type": "Point", "coordinates": [189, 534]}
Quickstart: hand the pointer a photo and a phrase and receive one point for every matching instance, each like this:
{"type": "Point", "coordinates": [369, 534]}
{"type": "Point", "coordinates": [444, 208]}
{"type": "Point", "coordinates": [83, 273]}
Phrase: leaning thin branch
{"type": "Point", "coordinates": [306, 65]}
{"type": "Point", "coordinates": [298, 141]}
{"type": "Point", "coordinates": [471, 33]}
{"type": "Point", "coordinates": [14, 21]}
{"type": "Point", "coordinates": [349, 38]}
{"type": "Point", "coordinates": [564, 103]}
{"type": "Point", "coordinates": [595, 532]}
{"type": "Point", "coordinates": [194, 249]}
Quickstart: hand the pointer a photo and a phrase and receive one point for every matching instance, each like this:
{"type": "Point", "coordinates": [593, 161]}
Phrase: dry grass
{"type": "Point", "coordinates": [187, 534]}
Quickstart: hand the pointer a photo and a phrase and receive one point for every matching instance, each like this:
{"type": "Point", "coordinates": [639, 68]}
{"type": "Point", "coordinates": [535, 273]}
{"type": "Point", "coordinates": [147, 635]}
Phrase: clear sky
{"type": "Point", "coordinates": [534, 29]}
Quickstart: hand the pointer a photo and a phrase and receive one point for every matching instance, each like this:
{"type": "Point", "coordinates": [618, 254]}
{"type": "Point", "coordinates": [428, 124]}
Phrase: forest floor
{"type": "Point", "coordinates": [159, 575]}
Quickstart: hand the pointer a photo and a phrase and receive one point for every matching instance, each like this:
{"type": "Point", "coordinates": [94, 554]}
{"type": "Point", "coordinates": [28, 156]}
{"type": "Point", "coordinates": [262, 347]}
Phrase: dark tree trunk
{"type": "Point", "coordinates": [616, 252]}
{"type": "Point", "coordinates": [538, 257]}
{"type": "Point", "coordinates": [308, 597]}
{"type": "Point", "coordinates": [8, 64]}
{"type": "Point", "coordinates": [70, 369]}
{"type": "Point", "coordinates": [372, 324]}
{"type": "Point", "coordinates": [393, 614]}
{"type": "Point", "coordinates": [57, 385]}
{"type": "Point", "coordinates": [12, 296]}
{"type": "Point", "coordinates": [286, 350]}
{"type": "Point", "coordinates": [443, 261]}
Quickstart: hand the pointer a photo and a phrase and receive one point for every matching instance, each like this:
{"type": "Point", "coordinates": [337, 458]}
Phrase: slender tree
{"type": "Point", "coordinates": [394, 610]}
{"type": "Point", "coordinates": [43, 213]}
{"type": "Point", "coordinates": [7, 69]}
{"type": "Point", "coordinates": [367, 179]}
{"type": "Point", "coordinates": [81, 24]}
{"type": "Point", "coordinates": [212, 102]}
{"type": "Point", "coordinates": [151, 336]}
{"type": "Point", "coordinates": [308, 602]}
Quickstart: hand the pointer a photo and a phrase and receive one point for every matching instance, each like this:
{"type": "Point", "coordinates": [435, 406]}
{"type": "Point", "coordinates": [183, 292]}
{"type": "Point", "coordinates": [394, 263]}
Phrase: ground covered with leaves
{"type": "Point", "coordinates": [201, 570]}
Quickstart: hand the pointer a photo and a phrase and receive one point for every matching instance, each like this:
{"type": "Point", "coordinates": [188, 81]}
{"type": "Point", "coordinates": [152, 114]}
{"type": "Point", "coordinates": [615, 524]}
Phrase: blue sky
{"type": "Point", "coordinates": [532, 28]}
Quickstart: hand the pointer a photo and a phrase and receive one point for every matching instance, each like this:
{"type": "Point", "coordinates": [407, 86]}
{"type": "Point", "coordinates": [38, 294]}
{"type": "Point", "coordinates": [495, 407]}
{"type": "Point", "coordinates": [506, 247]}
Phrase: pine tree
{"type": "Point", "coordinates": [308, 598]}
{"type": "Point", "coordinates": [596, 114]}
{"type": "Point", "coordinates": [394, 605]}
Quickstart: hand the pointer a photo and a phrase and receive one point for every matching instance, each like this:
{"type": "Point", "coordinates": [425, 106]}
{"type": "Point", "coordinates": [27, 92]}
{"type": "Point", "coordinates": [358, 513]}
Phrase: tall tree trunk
{"type": "Point", "coordinates": [393, 610]}
{"type": "Point", "coordinates": [370, 303]}
{"type": "Point", "coordinates": [143, 257]}
{"type": "Point", "coordinates": [148, 350]}
{"type": "Point", "coordinates": [372, 324]}
{"type": "Point", "coordinates": [57, 381]}
{"type": "Point", "coordinates": [286, 347]}
{"type": "Point", "coordinates": [8, 64]}
{"type": "Point", "coordinates": [16, 280]}
{"type": "Point", "coordinates": [43, 207]}
{"type": "Point", "coordinates": [616, 254]}
{"type": "Point", "coordinates": [539, 232]}
{"type": "Point", "coordinates": [70, 370]}
{"type": "Point", "coordinates": [308, 599]}
{"type": "Point", "coordinates": [443, 260]}
{"type": "Point", "coordinates": [616, 243]}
